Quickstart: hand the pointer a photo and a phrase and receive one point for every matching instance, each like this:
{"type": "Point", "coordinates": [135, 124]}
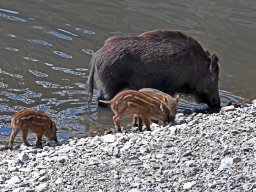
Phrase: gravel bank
{"type": "Point", "coordinates": [201, 152]}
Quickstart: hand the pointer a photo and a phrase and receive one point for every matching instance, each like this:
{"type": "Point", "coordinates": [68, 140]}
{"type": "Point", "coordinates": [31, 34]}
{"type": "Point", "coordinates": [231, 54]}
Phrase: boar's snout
{"type": "Point", "coordinates": [213, 102]}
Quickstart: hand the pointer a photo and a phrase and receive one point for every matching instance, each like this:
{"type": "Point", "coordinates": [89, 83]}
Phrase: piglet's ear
{"type": "Point", "coordinates": [214, 66]}
{"type": "Point", "coordinates": [177, 98]}
{"type": "Point", "coordinates": [165, 99]}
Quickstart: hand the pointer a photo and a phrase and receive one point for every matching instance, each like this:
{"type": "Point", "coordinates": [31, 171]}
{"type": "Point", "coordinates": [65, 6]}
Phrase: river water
{"type": "Point", "coordinates": [46, 46]}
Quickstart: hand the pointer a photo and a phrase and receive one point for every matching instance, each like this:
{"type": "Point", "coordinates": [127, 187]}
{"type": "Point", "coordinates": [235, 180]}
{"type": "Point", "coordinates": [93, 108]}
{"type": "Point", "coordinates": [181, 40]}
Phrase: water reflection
{"type": "Point", "coordinates": [9, 11]}
{"type": "Point", "coordinates": [65, 31]}
{"type": "Point", "coordinates": [60, 35]}
{"type": "Point", "coordinates": [40, 42]}
{"type": "Point", "coordinates": [62, 54]}
{"type": "Point", "coordinates": [12, 18]}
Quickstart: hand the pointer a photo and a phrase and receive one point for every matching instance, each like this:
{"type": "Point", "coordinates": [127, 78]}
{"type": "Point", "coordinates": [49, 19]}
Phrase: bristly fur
{"type": "Point", "coordinates": [135, 103]}
{"type": "Point", "coordinates": [167, 60]}
{"type": "Point", "coordinates": [29, 120]}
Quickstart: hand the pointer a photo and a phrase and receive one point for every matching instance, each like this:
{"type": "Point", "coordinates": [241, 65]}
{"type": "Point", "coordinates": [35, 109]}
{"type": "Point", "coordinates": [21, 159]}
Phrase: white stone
{"type": "Point", "coordinates": [82, 141]}
{"type": "Point", "coordinates": [95, 141]}
{"type": "Point", "coordinates": [135, 190]}
{"type": "Point", "coordinates": [11, 169]}
{"type": "Point", "coordinates": [226, 163]}
{"type": "Point", "coordinates": [254, 102]}
{"type": "Point", "coordinates": [23, 156]}
{"type": "Point", "coordinates": [159, 156]}
{"type": "Point", "coordinates": [13, 180]}
{"type": "Point", "coordinates": [109, 138]}
{"type": "Point", "coordinates": [58, 181]}
{"type": "Point", "coordinates": [144, 150]}
{"type": "Point", "coordinates": [43, 154]}
{"type": "Point", "coordinates": [188, 185]}
{"type": "Point", "coordinates": [112, 150]}
{"type": "Point", "coordinates": [42, 187]}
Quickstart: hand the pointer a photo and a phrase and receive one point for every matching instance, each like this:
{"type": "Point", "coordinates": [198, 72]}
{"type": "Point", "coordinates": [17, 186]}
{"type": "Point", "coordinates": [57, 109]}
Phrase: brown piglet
{"type": "Point", "coordinates": [29, 120]}
{"type": "Point", "coordinates": [135, 103]}
{"type": "Point", "coordinates": [171, 103]}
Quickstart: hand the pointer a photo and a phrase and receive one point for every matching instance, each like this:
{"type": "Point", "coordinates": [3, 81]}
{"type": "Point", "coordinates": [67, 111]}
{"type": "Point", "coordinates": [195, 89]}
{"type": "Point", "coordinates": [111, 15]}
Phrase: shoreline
{"type": "Point", "coordinates": [201, 152]}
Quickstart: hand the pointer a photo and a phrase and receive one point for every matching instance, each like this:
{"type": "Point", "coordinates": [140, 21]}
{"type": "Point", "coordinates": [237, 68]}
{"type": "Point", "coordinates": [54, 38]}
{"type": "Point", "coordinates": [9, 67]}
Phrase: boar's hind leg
{"type": "Point", "coordinates": [113, 87]}
{"type": "Point", "coordinates": [12, 137]}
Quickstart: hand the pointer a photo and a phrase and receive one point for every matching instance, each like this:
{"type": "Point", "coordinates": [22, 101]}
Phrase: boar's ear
{"type": "Point", "coordinates": [207, 52]}
{"type": "Point", "coordinates": [177, 99]}
{"type": "Point", "coordinates": [214, 66]}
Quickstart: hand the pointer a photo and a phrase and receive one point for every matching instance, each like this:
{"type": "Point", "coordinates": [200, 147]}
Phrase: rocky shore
{"type": "Point", "coordinates": [200, 152]}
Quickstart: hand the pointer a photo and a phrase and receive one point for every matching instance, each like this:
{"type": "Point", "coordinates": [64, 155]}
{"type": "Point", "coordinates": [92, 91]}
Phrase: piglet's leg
{"type": "Point", "coordinates": [39, 139]}
{"type": "Point", "coordinates": [24, 137]}
{"type": "Point", "coordinates": [146, 122]}
{"type": "Point", "coordinates": [116, 120]}
{"type": "Point", "coordinates": [140, 123]}
{"type": "Point", "coordinates": [134, 120]}
{"type": "Point", "coordinates": [12, 137]}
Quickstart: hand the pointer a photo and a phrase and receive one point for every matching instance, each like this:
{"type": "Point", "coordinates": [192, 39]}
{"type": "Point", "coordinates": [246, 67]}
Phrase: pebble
{"type": "Point", "coordinates": [109, 138]}
{"type": "Point", "coordinates": [188, 185]}
{"type": "Point", "coordinates": [23, 156]}
{"type": "Point", "coordinates": [58, 181]}
{"type": "Point", "coordinates": [42, 187]}
{"type": "Point", "coordinates": [13, 180]}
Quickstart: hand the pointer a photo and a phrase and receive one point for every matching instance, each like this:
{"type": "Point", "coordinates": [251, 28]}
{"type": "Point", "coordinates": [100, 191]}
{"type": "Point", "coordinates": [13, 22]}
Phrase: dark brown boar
{"type": "Point", "coordinates": [137, 104]}
{"type": "Point", "coordinates": [170, 61]}
{"type": "Point", "coordinates": [29, 120]}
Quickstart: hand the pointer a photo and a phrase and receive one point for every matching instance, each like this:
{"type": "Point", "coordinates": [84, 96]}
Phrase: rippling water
{"type": "Point", "coordinates": [46, 47]}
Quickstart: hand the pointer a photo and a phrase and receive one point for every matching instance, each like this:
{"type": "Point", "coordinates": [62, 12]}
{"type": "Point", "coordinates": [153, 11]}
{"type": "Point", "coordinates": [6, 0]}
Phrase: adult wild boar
{"type": "Point", "coordinates": [170, 61]}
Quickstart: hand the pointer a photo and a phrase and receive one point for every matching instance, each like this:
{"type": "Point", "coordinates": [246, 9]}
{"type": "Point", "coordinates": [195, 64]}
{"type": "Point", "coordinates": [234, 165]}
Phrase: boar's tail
{"type": "Point", "coordinates": [90, 82]}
